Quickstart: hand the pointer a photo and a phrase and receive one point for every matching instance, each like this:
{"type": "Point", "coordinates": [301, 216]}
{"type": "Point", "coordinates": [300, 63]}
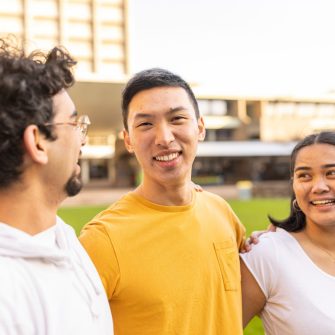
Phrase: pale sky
{"type": "Point", "coordinates": [283, 47]}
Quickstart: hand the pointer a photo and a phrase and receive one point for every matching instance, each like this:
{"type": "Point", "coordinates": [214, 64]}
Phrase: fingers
{"type": "Point", "coordinates": [251, 240]}
{"type": "Point", "coordinates": [271, 227]}
{"type": "Point", "coordinates": [254, 238]}
{"type": "Point", "coordinates": [255, 235]}
{"type": "Point", "coordinates": [246, 246]}
{"type": "Point", "coordinates": [197, 187]}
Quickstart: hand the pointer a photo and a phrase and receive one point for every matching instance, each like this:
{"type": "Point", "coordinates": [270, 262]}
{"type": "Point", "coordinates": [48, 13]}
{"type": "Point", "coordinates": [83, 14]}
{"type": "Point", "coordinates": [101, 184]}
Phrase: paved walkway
{"type": "Point", "coordinates": [105, 196]}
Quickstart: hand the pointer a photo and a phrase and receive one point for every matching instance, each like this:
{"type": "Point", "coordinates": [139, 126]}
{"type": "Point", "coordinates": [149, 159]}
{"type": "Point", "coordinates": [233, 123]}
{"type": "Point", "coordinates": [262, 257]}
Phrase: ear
{"type": "Point", "coordinates": [127, 141]}
{"type": "Point", "coordinates": [202, 129]}
{"type": "Point", "coordinates": [35, 145]}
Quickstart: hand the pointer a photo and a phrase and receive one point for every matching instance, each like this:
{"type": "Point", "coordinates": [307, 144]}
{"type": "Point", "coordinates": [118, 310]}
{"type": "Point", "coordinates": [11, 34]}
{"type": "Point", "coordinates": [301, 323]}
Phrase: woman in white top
{"type": "Point", "coordinates": [289, 277]}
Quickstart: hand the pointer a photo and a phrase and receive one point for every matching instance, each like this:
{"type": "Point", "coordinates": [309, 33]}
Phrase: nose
{"type": "Point", "coordinates": [164, 135]}
{"type": "Point", "coordinates": [320, 185]}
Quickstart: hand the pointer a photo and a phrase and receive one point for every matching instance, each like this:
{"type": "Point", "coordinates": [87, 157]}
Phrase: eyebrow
{"type": "Point", "coordinates": [142, 116]}
{"type": "Point", "coordinates": [177, 109]}
{"type": "Point", "coordinates": [305, 168]}
{"type": "Point", "coordinates": [170, 111]}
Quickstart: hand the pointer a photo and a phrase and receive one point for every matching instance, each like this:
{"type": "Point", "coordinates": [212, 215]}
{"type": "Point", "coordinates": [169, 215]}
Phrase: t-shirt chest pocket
{"type": "Point", "coordinates": [227, 256]}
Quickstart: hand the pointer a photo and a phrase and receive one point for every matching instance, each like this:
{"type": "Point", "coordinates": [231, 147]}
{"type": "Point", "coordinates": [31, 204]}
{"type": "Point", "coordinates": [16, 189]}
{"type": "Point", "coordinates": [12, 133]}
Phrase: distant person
{"type": "Point", "coordinates": [289, 277]}
{"type": "Point", "coordinates": [167, 255]}
{"type": "Point", "coordinates": [48, 283]}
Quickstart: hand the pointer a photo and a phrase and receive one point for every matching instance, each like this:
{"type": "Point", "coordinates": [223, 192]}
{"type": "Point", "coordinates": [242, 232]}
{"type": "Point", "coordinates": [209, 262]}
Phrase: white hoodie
{"type": "Point", "coordinates": [49, 286]}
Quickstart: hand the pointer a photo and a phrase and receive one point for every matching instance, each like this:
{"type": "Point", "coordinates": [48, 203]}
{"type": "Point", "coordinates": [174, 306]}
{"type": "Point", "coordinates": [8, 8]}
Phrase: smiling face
{"type": "Point", "coordinates": [163, 134]}
{"type": "Point", "coordinates": [314, 183]}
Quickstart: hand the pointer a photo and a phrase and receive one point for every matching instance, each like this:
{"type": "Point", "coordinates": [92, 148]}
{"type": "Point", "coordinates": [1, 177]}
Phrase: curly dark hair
{"type": "Point", "coordinates": [296, 220]}
{"type": "Point", "coordinates": [27, 85]}
{"type": "Point", "coordinates": [151, 78]}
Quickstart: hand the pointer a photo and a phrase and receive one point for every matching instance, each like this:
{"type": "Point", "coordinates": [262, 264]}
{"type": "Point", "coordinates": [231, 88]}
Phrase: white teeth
{"type": "Point", "coordinates": [322, 202]}
{"type": "Point", "coordinates": [167, 158]}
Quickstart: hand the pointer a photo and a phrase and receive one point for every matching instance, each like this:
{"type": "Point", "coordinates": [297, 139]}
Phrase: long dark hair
{"type": "Point", "coordinates": [296, 220]}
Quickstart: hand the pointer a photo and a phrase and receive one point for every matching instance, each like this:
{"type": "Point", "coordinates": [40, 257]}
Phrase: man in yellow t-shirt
{"type": "Point", "coordinates": [167, 255]}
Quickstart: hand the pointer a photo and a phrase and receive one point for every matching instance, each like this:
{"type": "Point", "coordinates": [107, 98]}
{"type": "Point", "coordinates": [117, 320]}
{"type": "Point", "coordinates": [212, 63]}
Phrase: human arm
{"type": "Point", "coordinates": [253, 299]}
{"type": "Point", "coordinates": [260, 270]}
{"type": "Point", "coordinates": [98, 245]}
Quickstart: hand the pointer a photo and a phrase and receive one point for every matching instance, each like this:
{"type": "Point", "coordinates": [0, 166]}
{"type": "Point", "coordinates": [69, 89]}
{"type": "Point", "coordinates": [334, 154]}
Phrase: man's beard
{"type": "Point", "coordinates": [73, 185]}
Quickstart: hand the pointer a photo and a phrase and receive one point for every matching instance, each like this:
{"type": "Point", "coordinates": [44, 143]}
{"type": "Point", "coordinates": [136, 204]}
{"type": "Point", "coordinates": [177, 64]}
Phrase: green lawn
{"type": "Point", "coordinates": [253, 214]}
{"type": "Point", "coordinates": [78, 216]}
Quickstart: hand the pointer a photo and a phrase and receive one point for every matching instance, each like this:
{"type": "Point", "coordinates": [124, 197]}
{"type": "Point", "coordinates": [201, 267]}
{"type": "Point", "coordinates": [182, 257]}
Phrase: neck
{"type": "Point", "coordinates": [323, 237]}
{"type": "Point", "coordinates": [166, 195]}
{"type": "Point", "coordinates": [26, 210]}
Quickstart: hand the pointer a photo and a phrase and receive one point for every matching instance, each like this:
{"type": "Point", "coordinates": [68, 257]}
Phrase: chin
{"type": "Point", "coordinates": [73, 185]}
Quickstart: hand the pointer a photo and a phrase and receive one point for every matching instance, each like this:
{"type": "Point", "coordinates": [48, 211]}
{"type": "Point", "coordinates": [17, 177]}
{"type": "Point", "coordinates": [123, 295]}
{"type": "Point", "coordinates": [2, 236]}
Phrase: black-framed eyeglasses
{"type": "Point", "coordinates": [81, 124]}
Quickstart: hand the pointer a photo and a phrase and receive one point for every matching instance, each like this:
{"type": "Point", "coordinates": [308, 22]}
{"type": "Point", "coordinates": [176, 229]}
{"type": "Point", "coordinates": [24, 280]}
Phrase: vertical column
{"type": "Point", "coordinates": [95, 36]}
{"type": "Point", "coordinates": [27, 23]}
{"type": "Point", "coordinates": [262, 121]}
{"type": "Point", "coordinates": [61, 23]}
{"type": "Point", "coordinates": [242, 111]}
{"type": "Point", "coordinates": [125, 36]}
{"type": "Point", "coordinates": [111, 171]}
{"type": "Point", "coordinates": [85, 171]}
{"type": "Point", "coordinates": [240, 133]}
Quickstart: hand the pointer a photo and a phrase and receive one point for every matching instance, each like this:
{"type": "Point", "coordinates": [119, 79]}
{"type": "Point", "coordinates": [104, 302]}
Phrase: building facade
{"type": "Point", "coordinates": [95, 31]}
{"type": "Point", "coordinates": [247, 137]}
{"type": "Point", "coordinates": [252, 137]}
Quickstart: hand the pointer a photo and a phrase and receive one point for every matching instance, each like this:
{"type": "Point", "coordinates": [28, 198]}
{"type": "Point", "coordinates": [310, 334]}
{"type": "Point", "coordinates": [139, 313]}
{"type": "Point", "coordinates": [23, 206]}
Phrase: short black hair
{"type": "Point", "coordinates": [27, 85]}
{"type": "Point", "coordinates": [296, 220]}
{"type": "Point", "coordinates": [151, 78]}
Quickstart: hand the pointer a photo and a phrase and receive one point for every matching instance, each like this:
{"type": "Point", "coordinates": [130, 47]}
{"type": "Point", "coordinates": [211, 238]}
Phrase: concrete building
{"type": "Point", "coordinates": [252, 137]}
{"type": "Point", "coordinates": [95, 33]}
{"type": "Point", "coordinates": [247, 137]}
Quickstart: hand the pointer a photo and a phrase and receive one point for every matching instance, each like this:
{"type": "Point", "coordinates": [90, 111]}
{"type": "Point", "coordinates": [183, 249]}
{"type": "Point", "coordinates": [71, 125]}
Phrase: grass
{"type": "Point", "coordinates": [252, 213]}
{"type": "Point", "coordinates": [78, 216]}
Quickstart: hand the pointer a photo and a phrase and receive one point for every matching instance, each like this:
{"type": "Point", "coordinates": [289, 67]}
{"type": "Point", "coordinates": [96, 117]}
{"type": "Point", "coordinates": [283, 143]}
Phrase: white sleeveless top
{"type": "Point", "coordinates": [300, 296]}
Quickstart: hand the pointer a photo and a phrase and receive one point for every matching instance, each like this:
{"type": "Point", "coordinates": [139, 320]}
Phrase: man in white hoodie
{"type": "Point", "coordinates": [48, 284]}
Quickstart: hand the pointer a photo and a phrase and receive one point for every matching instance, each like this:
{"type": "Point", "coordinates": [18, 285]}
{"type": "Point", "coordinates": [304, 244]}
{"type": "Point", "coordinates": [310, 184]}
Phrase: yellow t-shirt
{"type": "Point", "coordinates": [169, 269]}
